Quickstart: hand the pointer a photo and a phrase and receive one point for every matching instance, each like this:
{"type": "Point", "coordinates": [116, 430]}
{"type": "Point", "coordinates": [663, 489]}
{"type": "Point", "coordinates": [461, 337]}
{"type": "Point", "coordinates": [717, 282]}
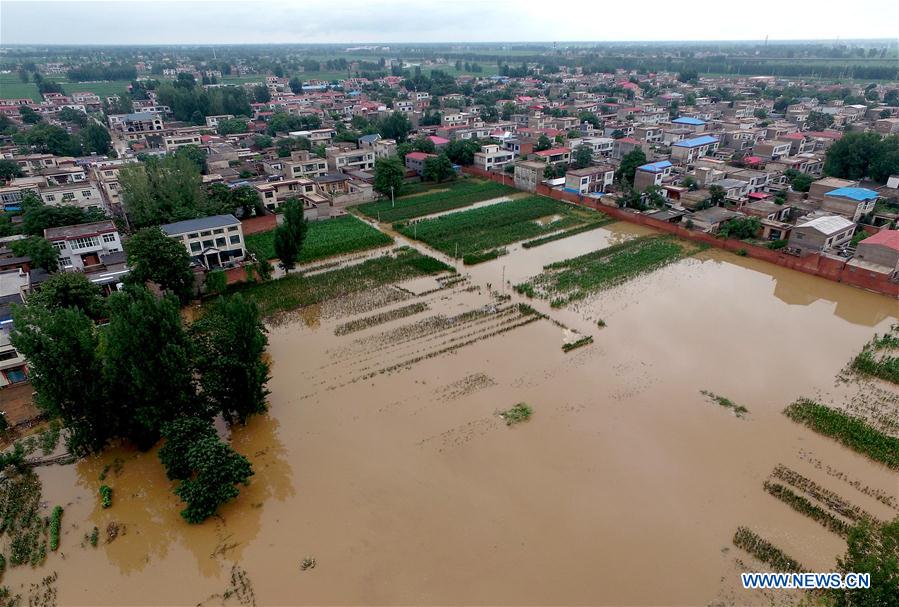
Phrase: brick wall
{"type": "Point", "coordinates": [825, 267]}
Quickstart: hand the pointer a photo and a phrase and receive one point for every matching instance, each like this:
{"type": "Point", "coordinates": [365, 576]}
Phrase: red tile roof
{"type": "Point", "coordinates": [553, 152]}
{"type": "Point", "coordinates": [887, 238]}
{"type": "Point", "coordinates": [418, 155]}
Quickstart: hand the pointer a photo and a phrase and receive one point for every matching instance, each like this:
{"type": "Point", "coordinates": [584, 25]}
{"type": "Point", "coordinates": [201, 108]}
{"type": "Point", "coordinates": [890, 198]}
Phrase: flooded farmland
{"type": "Point", "coordinates": [384, 459]}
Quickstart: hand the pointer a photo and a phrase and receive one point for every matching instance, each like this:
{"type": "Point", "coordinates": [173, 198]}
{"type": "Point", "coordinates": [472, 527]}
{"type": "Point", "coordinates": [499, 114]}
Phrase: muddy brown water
{"type": "Point", "coordinates": [383, 456]}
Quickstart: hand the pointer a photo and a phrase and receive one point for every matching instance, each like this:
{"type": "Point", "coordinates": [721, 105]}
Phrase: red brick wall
{"type": "Point", "coordinates": [264, 223]}
{"type": "Point", "coordinates": [825, 267]}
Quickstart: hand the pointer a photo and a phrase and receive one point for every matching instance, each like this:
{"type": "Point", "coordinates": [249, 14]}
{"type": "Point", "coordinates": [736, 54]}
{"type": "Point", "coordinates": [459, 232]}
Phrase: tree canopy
{"type": "Point", "coordinates": [153, 256]}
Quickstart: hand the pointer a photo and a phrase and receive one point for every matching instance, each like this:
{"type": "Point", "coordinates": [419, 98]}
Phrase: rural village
{"type": "Point", "coordinates": [359, 324]}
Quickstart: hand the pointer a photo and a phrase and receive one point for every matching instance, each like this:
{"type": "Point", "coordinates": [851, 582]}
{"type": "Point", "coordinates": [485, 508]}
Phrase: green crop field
{"type": "Point", "coordinates": [574, 279]}
{"type": "Point", "coordinates": [440, 198]}
{"type": "Point", "coordinates": [324, 239]}
{"type": "Point", "coordinates": [11, 87]}
{"type": "Point", "coordinates": [475, 232]}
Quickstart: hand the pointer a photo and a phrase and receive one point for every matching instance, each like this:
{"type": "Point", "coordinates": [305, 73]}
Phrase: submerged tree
{"type": "Point", "coordinates": [290, 234]}
{"type": "Point", "coordinates": [215, 470]}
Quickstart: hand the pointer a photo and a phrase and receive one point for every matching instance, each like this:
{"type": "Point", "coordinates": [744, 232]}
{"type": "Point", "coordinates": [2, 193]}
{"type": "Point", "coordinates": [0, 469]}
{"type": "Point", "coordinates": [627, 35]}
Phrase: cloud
{"type": "Point", "coordinates": [422, 21]}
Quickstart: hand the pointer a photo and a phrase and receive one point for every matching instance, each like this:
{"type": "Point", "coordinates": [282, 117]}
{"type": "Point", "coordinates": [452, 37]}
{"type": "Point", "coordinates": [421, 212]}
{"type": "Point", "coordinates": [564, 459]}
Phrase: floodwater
{"type": "Point", "coordinates": [383, 456]}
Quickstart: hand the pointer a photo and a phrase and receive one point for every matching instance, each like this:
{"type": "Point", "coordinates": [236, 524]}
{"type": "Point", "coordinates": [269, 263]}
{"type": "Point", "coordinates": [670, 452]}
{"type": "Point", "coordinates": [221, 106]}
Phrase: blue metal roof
{"type": "Point", "coordinates": [690, 121]}
{"type": "Point", "coordinates": [696, 141]}
{"type": "Point", "coordinates": [655, 167]}
{"type": "Point", "coordinates": [854, 193]}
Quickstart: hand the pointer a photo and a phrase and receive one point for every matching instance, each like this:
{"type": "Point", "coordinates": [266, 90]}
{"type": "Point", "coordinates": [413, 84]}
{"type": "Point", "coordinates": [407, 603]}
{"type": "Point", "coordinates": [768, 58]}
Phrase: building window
{"type": "Point", "coordinates": [195, 247]}
{"type": "Point", "coordinates": [218, 231]}
{"type": "Point", "coordinates": [206, 233]}
{"type": "Point", "coordinates": [207, 244]}
{"type": "Point", "coordinates": [83, 243]}
{"type": "Point", "coordinates": [68, 196]}
{"type": "Point", "coordinates": [232, 229]}
{"type": "Point", "coordinates": [235, 239]}
{"type": "Point", "coordinates": [220, 242]}
{"type": "Point", "coordinates": [60, 245]}
{"type": "Point", "coordinates": [65, 262]}
{"type": "Point", "coordinates": [194, 235]}
{"type": "Point", "coordinates": [108, 237]}
{"type": "Point", "coordinates": [50, 197]}
{"type": "Point", "coordinates": [86, 193]}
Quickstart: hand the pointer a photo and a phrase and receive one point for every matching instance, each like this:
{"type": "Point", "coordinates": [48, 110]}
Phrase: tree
{"type": "Point", "coordinates": [28, 115]}
{"type": "Point", "coordinates": [716, 195]}
{"type": "Point", "coordinates": [195, 154]}
{"type": "Point", "coordinates": [70, 290]}
{"type": "Point", "coordinates": [873, 547]}
{"type": "Point", "coordinates": [234, 125]}
{"type": "Point", "coordinates": [9, 169]}
{"type": "Point", "coordinates": [260, 142]}
{"type": "Point", "coordinates": [179, 435]}
{"type": "Point", "coordinates": [52, 139]}
{"type": "Point", "coordinates": [741, 227]}
{"type": "Point", "coordinates": [38, 216]}
{"type": "Point", "coordinates": [851, 157]}
{"type": "Point", "coordinates": [231, 342]}
{"type": "Point", "coordinates": [628, 167]}
{"type": "Point", "coordinates": [590, 118]}
{"type": "Point", "coordinates": [818, 121]}
{"type": "Point", "coordinates": [95, 139]}
{"type": "Point", "coordinates": [148, 364]}
{"type": "Point", "coordinates": [247, 199]}
{"type": "Point", "coordinates": [39, 250]}
{"type": "Point", "coordinates": [396, 126]}
{"type": "Point", "coordinates": [654, 197]}
{"type": "Point", "coordinates": [543, 143]}
{"type": "Point", "coordinates": [153, 256]}
{"type": "Point", "coordinates": [162, 190]}
{"type": "Point", "coordinates": [583, 156]}
{"type": "Point", "coordinates": [437, 168]}
{"type": "Point", "coordinates": [290, 234]}
{"type": "Point", "coordinates": [389, 176]}
{"type": "Point", "coordinates": [462, 151]}
{"type": "Point", "coordinates": [261, 94]}
{"type": "Point", "coordinates": [216, 469]}
{"type": "Point", "coordinates": [62, 347]}
{"type": "Point", "coordinates": [800, 182]}
{"type": "Point", "coordinates": [296, 85]}
{"type": "Point", "coordinates": [424, 144]}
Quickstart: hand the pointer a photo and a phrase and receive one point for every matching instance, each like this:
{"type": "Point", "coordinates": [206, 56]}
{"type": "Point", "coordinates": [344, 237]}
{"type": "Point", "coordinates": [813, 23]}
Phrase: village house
{"type": "Point", "coordinates": [851, 203]}
{"type": "Point", "coordinates": [350, 160]}
{"type": "Point", "coordinates": [590, 180]}
{"type": "Point", "coordinates": [711, 219]}
{"type": "Point", "coordinates": [879, 253]}
{"type": "Point", "coordinates": [822, 186]}
{"type": "Point", "coordinates": [528, 174]}
{"type": "Point", "coordinates": [415, 161]}
{"type": "Point", "coordinates": [820, 233]}
{"type": "Point", "coordinates": [213, 242]}
{"type": "Point", "coordinates": [303, 164]}
{"type": "Point", "coordinates": [84, 246]}
{"type": "Point", "coordinates": [15, 284]}
{"type": "Point", "coordinates": [689, 150]}
{"type": "Point", "coordinates": [651, 174]}
{"type": "Point", "coordinates": [492, 156]}
{"type": "Point", "coordinates": [553, 156]}
{"type": "Point", "coordinates": [273, 194]}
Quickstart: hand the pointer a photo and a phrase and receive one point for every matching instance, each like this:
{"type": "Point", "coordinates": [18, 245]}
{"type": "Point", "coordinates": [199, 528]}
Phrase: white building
{"type": "Point", "coordinates": [84, 246]}
{"type": "Point", "coordinates": [214, 242]}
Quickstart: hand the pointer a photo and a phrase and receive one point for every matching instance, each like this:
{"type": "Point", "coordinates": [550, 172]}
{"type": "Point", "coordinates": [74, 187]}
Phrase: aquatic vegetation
{"type": "Point", "coordinates": [308, 563]}
{"type": "Point", "coordinates": [765, 551]}
{"type": "Point", "coordinates": [476, 231]}
{"type": "Point", "coordinates": [517, 414]}
{"type": "Point", "coordinates": [346, 234]}
{"type": "Point", "coordinates": [49, 437]}
{"type": "Point", "coordinates": [20, 519]}
{"type": "Point", "coordinates": [105, 496]}
{"type": "Point", "coordinates": [853, 432]}
{"type": "Point", "coordinates": [880, 356]}
{"type": "Point", "coordinates": [95, 537]}
{"type": "Point", "coordinates": [573, 279]}
{"type": "Point", "coordinates": [600, 323]}
{"type": "Point", "coordinates": [583, 341]}
{"type": "Point", "coordinates": [460, 194]}
{"type": "Point", "coordinates": [739, 410]}
{"type": "Point", "coordinates": [825, 496]}
{"type": "Point", "coordinates": [802, 505]}
{"type": "Point", "coordinates": [55, 522]}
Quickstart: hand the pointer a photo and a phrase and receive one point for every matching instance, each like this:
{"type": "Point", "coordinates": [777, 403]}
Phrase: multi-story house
{"type": "Point", "coordinates": [492, 157]}
{"type": "Point", "coordinates": [213, 242]}
{"type": "Point", "coordinates": [652, 174]}
{"type": "Point", "coordinates": [179, 140]}
{"type": "Point", "coordinates": [303, 164]}
{"type": "Point", "coordinates": [590, 180]}
{"type": "Point", "coordinates": [689, 150]}
{"type": "Point", "coordinates": [84, 246]}
{"type": "Point", "coordinates": [851, 203]}
{"type": "Point", "coordinates": [820, 233]}
{"type": "Point", "coordinates": [83, 195]}
{"type": "Point", "coordinates": [275, 193]}
{"type": "Point", "coordinates": [350, 160]}
{"type": "Point", "coordinates": [528, 174]}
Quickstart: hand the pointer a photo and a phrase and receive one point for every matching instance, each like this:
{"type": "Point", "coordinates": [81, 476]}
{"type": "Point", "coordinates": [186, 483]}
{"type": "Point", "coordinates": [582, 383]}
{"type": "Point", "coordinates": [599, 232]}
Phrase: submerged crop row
{"type": "Point", "coordinates": [460, 194]}
{"type": "Point", "coordinates": [853, 432]}
{"type": "Point", "coordinates": [380, 318]}
{"type": "Point", "coordinates": [802, 505]}
{"type": "Point", "coordinates": [326, 238]}
{"type": "Point", "coordinates": [879, 356]}
{"type": "Point", "coordinates": [576, 278]}
{"type": "Point", "coordinates": [296, 291]}
{"type": "Point", "coordinates": [765, 551]}
{"type": "Point", "coordinates": [488, 228]}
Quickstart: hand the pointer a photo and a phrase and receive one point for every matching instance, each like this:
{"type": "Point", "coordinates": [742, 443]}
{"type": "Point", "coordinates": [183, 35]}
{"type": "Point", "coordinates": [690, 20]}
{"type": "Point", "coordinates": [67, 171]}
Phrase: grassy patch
{"type": "Point", "coordinates": [853, 432]}
{"type": "Point", "coordinates": [517, 414]}
{"type": "Point", "coordinates": [800, 504]}
{"type": "Point", "coordinates": [765, 551]}
{"type": "Point", "coordinates": [416, 204]}
{"type": "Point", "coordinates": [105, 496]}
{"type": "Point", "coordinates": [477, 231]}
{"type": "Point", "coordinates": [55, 523]}
{"type": "Point", "coordinates": [296, 291]}
{"type": "Point", "coordinates": [573, 279]}
{"type": "Point", "coordinates": [879, 356]}
{"type": "Point", "coordinates": [739, 410]}
{"type": "Point", "coordinates": [583, 341]}
{"type": "Point", "coordinates": [380, 319]}
{"type": "Point", "coordinates": [325, 238]}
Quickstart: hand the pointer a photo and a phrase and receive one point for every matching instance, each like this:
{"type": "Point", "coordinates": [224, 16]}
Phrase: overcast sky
{"type": "Point", "coordinates": [385, 21]}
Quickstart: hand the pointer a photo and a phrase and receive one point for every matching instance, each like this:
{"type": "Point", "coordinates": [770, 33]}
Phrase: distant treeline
{"type": "Point", "coordinates": [93, 71]}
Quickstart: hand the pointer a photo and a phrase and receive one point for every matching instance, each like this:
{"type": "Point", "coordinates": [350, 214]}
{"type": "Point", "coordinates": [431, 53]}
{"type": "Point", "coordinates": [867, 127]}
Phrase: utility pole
{"type": "Point", "coordinates": [392, 201]}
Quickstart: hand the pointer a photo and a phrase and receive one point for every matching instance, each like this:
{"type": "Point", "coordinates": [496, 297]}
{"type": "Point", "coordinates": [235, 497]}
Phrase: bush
{"type": "Point", "coordinates": [55, 522]}
{"type": "Point", "coordinates": [105, 496]}
{"type": "Point", "coordinates": [517, 414]}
